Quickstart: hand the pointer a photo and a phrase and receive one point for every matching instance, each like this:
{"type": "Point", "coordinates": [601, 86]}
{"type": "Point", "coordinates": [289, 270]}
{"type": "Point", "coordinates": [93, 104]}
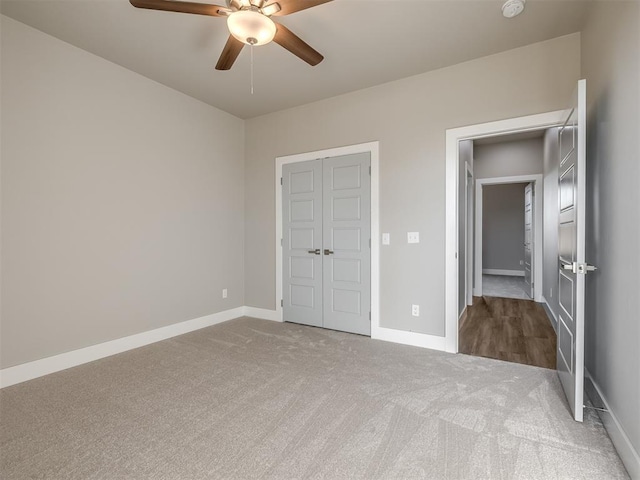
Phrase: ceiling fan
{"type": "Point", "coordinates": [249, 23]}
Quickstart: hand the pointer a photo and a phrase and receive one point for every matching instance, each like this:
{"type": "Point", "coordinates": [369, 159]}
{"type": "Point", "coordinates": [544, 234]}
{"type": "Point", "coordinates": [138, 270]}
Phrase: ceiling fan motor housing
{"type": "Point", "coordinates": [251, 27]}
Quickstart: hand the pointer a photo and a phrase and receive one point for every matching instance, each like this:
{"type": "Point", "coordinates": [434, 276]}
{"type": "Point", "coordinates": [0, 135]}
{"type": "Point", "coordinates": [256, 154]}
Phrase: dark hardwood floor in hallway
{"type": "Point", "coordinates": [508, 329]}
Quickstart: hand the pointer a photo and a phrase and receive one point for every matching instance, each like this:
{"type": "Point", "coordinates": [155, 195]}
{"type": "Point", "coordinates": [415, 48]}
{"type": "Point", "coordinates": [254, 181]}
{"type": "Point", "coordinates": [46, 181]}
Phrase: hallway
{"type": "Point", "coordinates": [504, 286]}
{"type": "Point", "coordinates": [514, 330]}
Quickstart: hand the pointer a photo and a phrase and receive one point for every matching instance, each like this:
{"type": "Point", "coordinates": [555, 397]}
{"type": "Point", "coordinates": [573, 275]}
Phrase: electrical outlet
{"type": "Point", "coordinates": [521, 262]}
{"type": "Point", "coordinates": [551, 293]}
{"type": "Point", "coordinates": [224, 293]}
{"type": "Point", "coordinates": [413, 237]}
{"type": "Point", "coordinates": [415, 310]}
{"type": "Point", "coordinates": [386, 239]}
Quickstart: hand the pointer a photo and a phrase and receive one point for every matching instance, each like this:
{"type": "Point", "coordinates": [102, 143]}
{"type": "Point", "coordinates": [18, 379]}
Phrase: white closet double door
{"type": "Point", "coordinates": [326, 217]}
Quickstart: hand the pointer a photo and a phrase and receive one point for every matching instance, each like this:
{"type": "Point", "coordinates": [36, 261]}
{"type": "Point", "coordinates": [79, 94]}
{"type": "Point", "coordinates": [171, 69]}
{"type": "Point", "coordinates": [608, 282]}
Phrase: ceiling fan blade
{"type": "Point", "coordinates": [229, 53]}
{"type": "Point", "coordinates": [292, 6]}
{"type": "Point", "coordinates": [182, 7]}
{"type": "Point", "coordinates": [289, 40]}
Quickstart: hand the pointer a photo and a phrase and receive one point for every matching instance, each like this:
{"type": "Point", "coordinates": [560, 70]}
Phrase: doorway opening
{"type": "Point", "coordinates": [499, 326]}
{"type": "Point", "coordinates": [508, 253]}
{"type": "Point", "coordinates": [502, 321]}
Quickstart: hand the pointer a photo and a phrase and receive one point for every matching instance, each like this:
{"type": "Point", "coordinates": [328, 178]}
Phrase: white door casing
{"type": "Point", "coordinates": [572, 267]}
{"type": "Point", "coordinates": [536, 261]}
{"type": "Point", "coordinates": [528, 239]}
{"type": "Point", "coordinates": [470, 236]}
{"type": "Point", "coordinates": [453, 137]}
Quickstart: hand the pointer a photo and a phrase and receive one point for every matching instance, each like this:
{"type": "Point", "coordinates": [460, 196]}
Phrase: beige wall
{"type": "Point", "coordinates": [503, 227]}
{"type": "Point", "coordinates": [122, 201]}
{"type": "Point", "coordinates": [550, 222]}
{"type": "Point", "coordinates": [409, 118]}
{"type": "Point", "coordinates": [611, 65]}
{"type": "Point", "coordinates": [507, 159]}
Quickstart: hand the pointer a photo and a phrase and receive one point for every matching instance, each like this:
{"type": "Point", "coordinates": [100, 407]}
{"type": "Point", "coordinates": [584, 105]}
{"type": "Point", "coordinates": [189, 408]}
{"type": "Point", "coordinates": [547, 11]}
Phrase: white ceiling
{"type": "Point", "coordinates": [365, 43]}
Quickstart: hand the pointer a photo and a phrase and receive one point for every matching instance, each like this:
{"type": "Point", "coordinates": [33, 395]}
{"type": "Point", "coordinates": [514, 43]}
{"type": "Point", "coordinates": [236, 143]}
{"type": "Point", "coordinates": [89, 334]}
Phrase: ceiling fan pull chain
{"type": "Point", "coordinates": [251, 69]}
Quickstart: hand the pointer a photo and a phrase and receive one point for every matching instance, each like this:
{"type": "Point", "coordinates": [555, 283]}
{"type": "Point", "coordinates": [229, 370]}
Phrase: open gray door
{"type": "Point", "coordinates": [572, 267]}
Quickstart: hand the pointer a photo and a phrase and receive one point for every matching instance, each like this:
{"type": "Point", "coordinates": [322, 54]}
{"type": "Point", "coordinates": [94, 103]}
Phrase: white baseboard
{"type": "Point", "coordinates": [626, 451]}
{"type": "Point", "coordinates": [510, 273]}
{"type": "Point", "coordinates": [408, 338]}
{"type": "Point", "coordinates": [261, 313]}
{"type": "Point", "coordinates": [38, 368]}
{"type": "Point", "coordinates": [550, 314]}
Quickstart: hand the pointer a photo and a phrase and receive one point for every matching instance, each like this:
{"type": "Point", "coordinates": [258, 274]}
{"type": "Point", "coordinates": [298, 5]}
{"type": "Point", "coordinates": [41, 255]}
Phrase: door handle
{"type": "Point", "coordinates": [315, 252]}
{"type": "Point", "coordinates": [582, 268]}
{"type": "Point", "coordinates": [328, 252]}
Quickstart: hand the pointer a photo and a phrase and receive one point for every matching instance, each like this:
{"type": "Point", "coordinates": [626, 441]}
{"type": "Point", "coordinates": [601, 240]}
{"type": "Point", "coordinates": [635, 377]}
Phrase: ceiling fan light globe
{"type": "Point", "coordinates": [251, 27]}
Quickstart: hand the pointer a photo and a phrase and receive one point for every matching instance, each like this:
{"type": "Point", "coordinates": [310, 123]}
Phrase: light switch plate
{"type": "Point", "coordinates": [413, 237]}
{"type": "Point", "coordinates": [386, 239]}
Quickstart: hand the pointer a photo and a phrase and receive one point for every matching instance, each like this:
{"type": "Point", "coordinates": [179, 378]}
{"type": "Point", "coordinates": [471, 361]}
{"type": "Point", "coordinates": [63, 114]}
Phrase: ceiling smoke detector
{"type": "Point", "coordinates": [513, 8]}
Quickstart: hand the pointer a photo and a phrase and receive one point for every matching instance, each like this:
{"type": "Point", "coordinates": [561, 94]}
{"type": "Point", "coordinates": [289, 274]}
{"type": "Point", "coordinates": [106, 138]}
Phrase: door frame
{"type": "Point", "coordinates": [373, 149]}
{"type": "Point", "coordinates": [470, 232]}
{"type": "Point", "coordinates": [453, 137]}
{"type": "Point", "coordinates": [536, 272]}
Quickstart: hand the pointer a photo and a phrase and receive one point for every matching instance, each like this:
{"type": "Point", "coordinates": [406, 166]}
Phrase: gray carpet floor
{"type": "Point", "coordinates": [256, 399]}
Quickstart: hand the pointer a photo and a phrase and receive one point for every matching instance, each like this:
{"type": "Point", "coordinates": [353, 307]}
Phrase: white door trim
{"type": "Point", "coordinates": [537, 229]}
{"type": "Point", "coordinates": [372, 148]}
{"type": "Point", "coordinates": [470, 232]}
{"type": "Point", "coordinates": [453, 137]}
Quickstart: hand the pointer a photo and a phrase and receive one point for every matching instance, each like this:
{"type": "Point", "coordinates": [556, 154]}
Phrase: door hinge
{"type": "Point", "coordinates": [281, 242]}
{"type": "Point", "coordinates": [369, 170]}
{"type": "Point", "coordinates": [369, 243]}
{"type": "Point", "coordinates": [280, 180]}
{"type": "Point", "coordinates": [281, 302]}
{"type": "Point", "coordinates": [369, 316]}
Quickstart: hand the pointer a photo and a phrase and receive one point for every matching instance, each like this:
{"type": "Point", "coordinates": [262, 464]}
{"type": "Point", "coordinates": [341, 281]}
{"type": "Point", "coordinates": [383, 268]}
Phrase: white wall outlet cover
{"type": "Point", "coordinates": [415, 310]}
{"type": "Point", "coordinates": [386, 239]}
{"type": "Point", "coordinates": [413, 237]}
{"type": "Point", "coordinates": [224, 293]}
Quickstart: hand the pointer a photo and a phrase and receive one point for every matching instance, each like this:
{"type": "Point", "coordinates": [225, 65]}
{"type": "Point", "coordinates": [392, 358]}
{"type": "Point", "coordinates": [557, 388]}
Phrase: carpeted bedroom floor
{"type": "Point", "coordinates": [256, 399]}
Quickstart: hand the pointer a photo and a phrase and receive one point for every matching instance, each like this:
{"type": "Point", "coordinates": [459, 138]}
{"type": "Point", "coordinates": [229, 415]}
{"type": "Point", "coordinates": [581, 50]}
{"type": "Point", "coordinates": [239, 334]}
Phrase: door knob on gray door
{"type": "Point", "coordinates": [328, 252]}
{"type": "Point", "coordinates": [315, 252]}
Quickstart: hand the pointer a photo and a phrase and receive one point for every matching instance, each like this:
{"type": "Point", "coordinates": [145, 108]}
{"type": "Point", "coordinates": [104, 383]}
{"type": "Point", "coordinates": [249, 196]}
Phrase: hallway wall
{"type": "Point", "coordinates": [550, 222]}
{"type": "Point", "coordinates": [503, 227]}
{"type": "Point", "coordinates": [611, 66]}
